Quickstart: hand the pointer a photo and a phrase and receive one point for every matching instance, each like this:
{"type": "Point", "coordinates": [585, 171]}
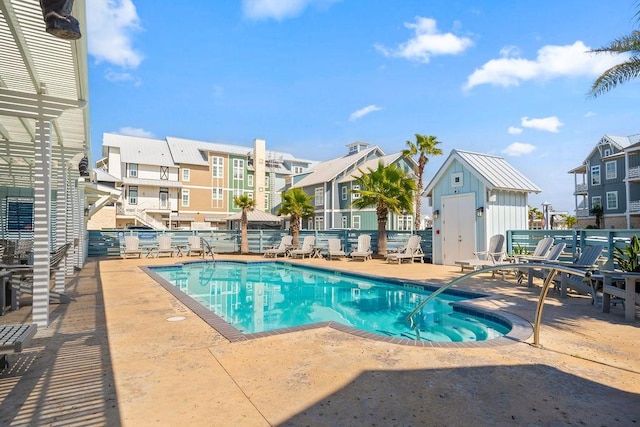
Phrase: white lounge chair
{"type": "Point", "coordinates": [410, 252]}
{"type": "Point", "coordinates": [363, 250]}
{"type": "Point", "coordinates": [195, 246]}
{"type": "Point", "coordinates": [493, 255]}
{"type": "Point", "coordinates": [307, 248]}
{"type": "Point", "coordinates": [165, 246]}
{"type": "Point", "coordinates": [335, 249]}
{"type": "Point", "coordinates": [280, 249]}
{"type": "Point", "coordinates": [132, 247]}
{"type": "Point", "coordinates": [540, 252]}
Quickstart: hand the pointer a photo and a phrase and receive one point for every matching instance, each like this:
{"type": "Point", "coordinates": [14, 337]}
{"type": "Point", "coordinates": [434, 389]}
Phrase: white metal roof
{"type": "Point", "coordinates": [40, 76]}
{"type": "Point", "coordinates": [494, 171]}
{"type": "Point", "coordinates": [134, 149]}
{"type": "Point", "coordinates": [326, 171]}
{"type": "Point", "coordinates": [255, 215]}
{"type": "Point", "coordinates": [373, 164]}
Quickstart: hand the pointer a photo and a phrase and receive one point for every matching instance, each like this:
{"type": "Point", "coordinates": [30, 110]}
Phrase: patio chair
{"type": "Point", "coordinates": [22, 276]}
{"type": "Point", "coordinates": [307, 248]}
{"type": "Point", "coordinates": [281, 249]}
{"type": "Point", "coordinates": [363, 250]}
{"type": "Point", "coordinates": [132, 247]}
{"type": "Point", "coordinates": [540, 252]}
{"type": "Point", "coordinates": [552, 256]}
{"type": "Point", "coordinates": [335, 249]}
{"type": "Point", "coordinates": [13, 338]}
{"type": "Point", "coordinates": [493, 255]}
{"type": "Point", "coordinates": [165, 246]}
{"type": "Point", "coordinates": [586, 261]}
{"type": "Point", "coordinates": [195, 246]}
{"type": "Point", "coordinates": [410, 252]}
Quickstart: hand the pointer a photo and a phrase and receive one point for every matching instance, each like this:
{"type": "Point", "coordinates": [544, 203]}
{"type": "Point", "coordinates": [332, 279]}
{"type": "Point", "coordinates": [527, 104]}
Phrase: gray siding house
{"type": "Point", "coordinates": [475, 196]}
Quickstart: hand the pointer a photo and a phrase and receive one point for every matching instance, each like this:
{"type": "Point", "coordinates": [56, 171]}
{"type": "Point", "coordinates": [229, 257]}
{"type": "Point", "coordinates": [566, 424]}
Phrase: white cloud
{"type": "Point", "coordinates": [519, 149]}
{"type": "Point", "coordinates": [426, 42]}
{"type": "Point", "coordinates": [279, 9]}
{"type": "Point", "coordinates": [110, 25]}
{"type": "Point", "coordinates": [548, 124]}
{"type": "Point", "coordinates": [363, 112]}
{"type": "Point", "coordinates": [129, 131]}
{"type": "Point", "coordinates": [552, 62]}
{"type": "Point", "coordinates": [514, 130]}
{"type": "Point", "coordinates": [590, 114]}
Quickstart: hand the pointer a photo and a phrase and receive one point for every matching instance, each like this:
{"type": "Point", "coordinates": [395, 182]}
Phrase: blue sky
{"type": "Point", "coordinates": [310, 76]}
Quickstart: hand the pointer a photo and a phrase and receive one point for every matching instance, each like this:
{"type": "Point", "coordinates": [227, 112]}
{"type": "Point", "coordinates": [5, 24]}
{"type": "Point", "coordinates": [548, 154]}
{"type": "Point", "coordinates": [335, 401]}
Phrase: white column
{"type": "Point", "coordinates": [627, 188]}
{"type": "Point", "coordinates": [61, 229]}
{"type": "Point", "coordinates": [42, 223]}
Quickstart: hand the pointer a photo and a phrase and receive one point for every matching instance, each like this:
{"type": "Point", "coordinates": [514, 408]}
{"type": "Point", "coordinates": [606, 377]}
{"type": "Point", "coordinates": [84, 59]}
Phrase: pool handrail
{"type": "Point", "coordinates": [209, 249]}
{"type": "Point", "coordinates": [553, 267]}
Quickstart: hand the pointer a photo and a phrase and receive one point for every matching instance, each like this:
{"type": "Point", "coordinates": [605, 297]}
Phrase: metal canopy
{"type": "Point", "coordinates": [43, 77]}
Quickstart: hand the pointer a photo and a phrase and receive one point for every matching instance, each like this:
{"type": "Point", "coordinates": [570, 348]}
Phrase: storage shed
{"type": "Point", "coordinates": [475, 196]}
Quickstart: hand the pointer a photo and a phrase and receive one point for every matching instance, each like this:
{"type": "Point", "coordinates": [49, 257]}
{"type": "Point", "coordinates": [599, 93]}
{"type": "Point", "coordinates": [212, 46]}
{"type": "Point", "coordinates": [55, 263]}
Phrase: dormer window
{"type": "Point", "coordinates": [607, 152]}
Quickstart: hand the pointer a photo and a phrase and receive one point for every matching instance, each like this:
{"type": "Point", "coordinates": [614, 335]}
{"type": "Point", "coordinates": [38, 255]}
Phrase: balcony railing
{"type": "Point", "coordinates": [581, 213]}
{"type": "Point", "coordinates": [634, 206]}
{"type": "Point", "coordinates": [581, 188]}
{"type": "Point", "coordinates": [633, 173]}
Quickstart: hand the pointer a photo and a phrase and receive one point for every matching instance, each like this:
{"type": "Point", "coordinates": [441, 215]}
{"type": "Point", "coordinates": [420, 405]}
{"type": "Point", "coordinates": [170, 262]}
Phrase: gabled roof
{"type": "Point", "coordinates": [134, 149]}
{"type": "Point", "coordinates": [620, 142]}
{"type": "Point", "coordinates": [371, 164]}
{"type": "Point", "coordinates": [493, 171]}
{"type": "Point", "coordinates": [326, 171]}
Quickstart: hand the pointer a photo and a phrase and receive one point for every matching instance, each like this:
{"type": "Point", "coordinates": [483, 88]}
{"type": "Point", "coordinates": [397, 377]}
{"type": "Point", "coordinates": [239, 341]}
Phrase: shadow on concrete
{"type": "Point", "coordinates": [488, 395]}
{"type": "Point", "coordinates": [64, 377]}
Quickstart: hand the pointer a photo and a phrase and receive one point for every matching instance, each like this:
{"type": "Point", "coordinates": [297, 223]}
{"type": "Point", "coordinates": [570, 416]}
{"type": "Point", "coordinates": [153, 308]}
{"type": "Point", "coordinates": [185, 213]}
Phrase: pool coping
{"type": "Point", "coordinates": [520, 330]}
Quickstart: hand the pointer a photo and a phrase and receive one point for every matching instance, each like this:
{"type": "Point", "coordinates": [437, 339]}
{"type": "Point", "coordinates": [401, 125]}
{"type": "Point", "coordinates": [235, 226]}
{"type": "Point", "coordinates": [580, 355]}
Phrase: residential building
{"type": "Point", "coordinates": [609, 177]}
{"type": "Point", "coordinates": [333, 186]}
{"type": "Point", "coordinates": [180, 183]}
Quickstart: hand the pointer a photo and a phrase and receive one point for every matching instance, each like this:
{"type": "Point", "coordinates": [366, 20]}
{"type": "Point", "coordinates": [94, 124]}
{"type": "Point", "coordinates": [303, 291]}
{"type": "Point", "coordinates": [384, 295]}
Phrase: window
{"type": "Point", "coordinates": [298, 169]}
{"type": "Point", "coordinates": [596, 201]}
{"type": "Point", "coordinates": [266, 204]}
{"type": "Point", "coordinates": [164, 172]}
{"type": "Point", "coordinates": [356, 222]}
{"type": "Point", "coordinates": [343, 221]}
{"type": "Point", "coordinates": [238, 170]}
{"type": "Point", "coordinates": [611, 170]}
{"type": "Point", "coordinates": [250, 180]}
{"type": "Point", "coordinates": [133, 195]}
{"type": "Point", "coordinates": [133, 170]}
{"type": "Point", "coordinates": [344, 193]}
{"type": "Point", "coordinates": [405, 222]}
{"type": "Point", "coordinates": [456, 179]}
{"type": "Point", "coordinates": [595, 175]}
{"type": "Point", "coordinates": [355, 191]}
{"type": "Point", "coordinates": [216, 193]}
{"type": "Point", "coordinates": [185, 198]}
{"type": "Point", "coordinates": [319, 196]}
{"type": "Point", "coordinates": [237, 192]}
{"type": "Point", "coordinates": [164, 198]}
{"type": "Point", "coordinates": [217, 167]}
{"type": "Point", "coordinates": [607, 152]}
{"type": "Point", "coordinates": [612, 200]}
{"type": "Point", "coordinates": [266, 181]}
{"type": "Point", "coordinates": [186, 174]}
{"type": "Point", "coordinates": [319, 223]}
{"type": "Point", "coordinates": [19, 214]}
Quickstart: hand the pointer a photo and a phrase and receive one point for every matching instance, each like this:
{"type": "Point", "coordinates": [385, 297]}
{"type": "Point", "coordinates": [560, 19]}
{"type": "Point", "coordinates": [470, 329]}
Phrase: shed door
{"type": "Point", "coordinates": [458, 228]}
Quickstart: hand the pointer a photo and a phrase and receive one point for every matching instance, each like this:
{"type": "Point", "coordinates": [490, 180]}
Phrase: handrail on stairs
{"type": "Point", "coordinates": [554, 269]}
{"type": "Point", "coordinates": [209, 249]}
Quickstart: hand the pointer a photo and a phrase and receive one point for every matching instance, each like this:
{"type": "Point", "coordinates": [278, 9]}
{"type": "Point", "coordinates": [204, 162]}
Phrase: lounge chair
{"type": "Point", "coordinates": [363, 250]}
{"type": "Point", "coordinates": [307, 248]}
{"type": "Point", "coordinates": [132, 247]}
{"type": "Point", "coordinates": [493, 255]}
{"type": "Point", "coordinates": [165, 246]}
{"type": "Point", "coordinates": [540, 252]}
{"type": "Point", "coordinates": [22, 276]}
{"type": "Point", "coordinates": [13, 338]}
{"type": "Point", "coordinates": [410, 252]}
{"type": "Point", "coordinates": [586, 261]}
{"type": "Point", "coordinates": [195, 246]}
{"type": "Point", "coordinates": [552, 256]}
{"type": "Point", "coordinates": [281, 249]}
{"type": "Point", "coordinates": [335, 249]}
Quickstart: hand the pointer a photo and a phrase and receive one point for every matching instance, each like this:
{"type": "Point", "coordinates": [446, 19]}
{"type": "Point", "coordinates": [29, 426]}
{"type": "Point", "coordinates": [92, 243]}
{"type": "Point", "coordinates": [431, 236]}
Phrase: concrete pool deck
{"type": "Point", "coordinates": [112, 357]}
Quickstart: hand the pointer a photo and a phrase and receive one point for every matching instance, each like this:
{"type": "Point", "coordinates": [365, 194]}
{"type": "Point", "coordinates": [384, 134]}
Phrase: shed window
{"type": "Point", "coordinates": [456, 179]}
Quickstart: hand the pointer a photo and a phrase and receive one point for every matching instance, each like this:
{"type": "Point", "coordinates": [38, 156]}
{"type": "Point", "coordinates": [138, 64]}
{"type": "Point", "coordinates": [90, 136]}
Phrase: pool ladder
{"type": "Point", "coordinates": [552, 268]}
{"type": "Point", "coordinates": [209, 249]}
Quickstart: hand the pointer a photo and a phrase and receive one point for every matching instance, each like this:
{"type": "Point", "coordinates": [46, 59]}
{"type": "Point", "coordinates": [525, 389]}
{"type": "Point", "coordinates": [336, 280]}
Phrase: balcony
{"type": "Point", "coordinates": [581, 188]}
{"type": "Point", "coordinates": [633, 173]}
{"type": "Point", "coordinates": [582, 213]}
{"type": "Point", "coordinates": [634, 206]}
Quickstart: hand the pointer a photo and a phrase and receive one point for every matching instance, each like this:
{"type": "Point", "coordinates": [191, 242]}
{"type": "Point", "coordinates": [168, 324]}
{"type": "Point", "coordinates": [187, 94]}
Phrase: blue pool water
{"type": "Point", "coordinates": [266, 296]}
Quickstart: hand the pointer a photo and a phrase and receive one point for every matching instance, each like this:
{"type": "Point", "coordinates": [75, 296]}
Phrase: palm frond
{"type": "Point", "coordinates": [616, 75]}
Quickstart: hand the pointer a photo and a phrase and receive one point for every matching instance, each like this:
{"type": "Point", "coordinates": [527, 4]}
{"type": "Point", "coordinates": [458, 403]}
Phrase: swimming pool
{"type": "Point", "coordinates": [257, 298]}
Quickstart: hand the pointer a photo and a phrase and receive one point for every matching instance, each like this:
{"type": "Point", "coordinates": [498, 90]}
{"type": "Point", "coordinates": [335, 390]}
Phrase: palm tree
{"type": "Point", "coordinates": [598, 212]}
{"type": "Point", "coordinates": [623, 72]}
{"type": "Point", "coordinates": [297, 204]}
{"type": "Point", "coordinates": [534, 214]}
{"type": "Point", "coordinates": [388, 188]}
{"type": "Point", "coordinates": [247, 204]}
{"type": "Point", "coordinates": [571, 220]}
{"type": "Point", "coordinates": [424, 146]}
